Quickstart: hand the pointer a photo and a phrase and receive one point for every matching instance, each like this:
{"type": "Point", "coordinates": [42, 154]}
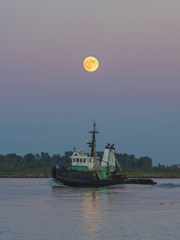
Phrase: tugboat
{"type": "Point", "coordinates": [88, 170]}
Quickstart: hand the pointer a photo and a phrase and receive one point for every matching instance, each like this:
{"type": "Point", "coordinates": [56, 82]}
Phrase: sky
{"type": "Point", "coordinates": [48, 100]}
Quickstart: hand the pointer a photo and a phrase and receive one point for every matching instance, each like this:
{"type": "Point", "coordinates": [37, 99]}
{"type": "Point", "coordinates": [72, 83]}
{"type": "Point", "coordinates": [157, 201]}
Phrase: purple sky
{"type": "Point", "coordinates": [47, 99]}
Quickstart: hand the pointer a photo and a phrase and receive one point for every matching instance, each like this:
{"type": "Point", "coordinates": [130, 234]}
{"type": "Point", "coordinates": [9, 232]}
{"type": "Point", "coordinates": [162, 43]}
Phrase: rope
{"type": "Point", "coordinates": [119, 166]}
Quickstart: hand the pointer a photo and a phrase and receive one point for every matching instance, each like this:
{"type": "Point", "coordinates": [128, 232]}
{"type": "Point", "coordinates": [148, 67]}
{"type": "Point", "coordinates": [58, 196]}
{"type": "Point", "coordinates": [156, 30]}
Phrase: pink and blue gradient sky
{"type": "Point", "coordinates": [47, 99]}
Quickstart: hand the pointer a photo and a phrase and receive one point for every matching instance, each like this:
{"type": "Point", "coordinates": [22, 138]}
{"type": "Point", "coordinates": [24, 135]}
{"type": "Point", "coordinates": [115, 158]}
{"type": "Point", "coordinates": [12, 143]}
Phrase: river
{"type": "Point", "coordinates": [40, 209]}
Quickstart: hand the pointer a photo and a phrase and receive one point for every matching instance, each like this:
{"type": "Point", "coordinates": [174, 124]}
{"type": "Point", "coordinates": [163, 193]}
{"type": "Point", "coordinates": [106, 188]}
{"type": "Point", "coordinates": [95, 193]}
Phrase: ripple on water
{"type": "Point", "coordinates": [42, 209]}
{"type": "Point", "coordinates": [53, 183]}
{"type": "Point", "coordinates": [168, 185]}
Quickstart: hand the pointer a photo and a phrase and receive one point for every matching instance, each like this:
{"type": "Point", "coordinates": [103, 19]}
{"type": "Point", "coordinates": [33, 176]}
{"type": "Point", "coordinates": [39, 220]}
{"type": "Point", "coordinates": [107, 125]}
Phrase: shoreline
{"type": "Point", "coordinates": [26, 176]}
{"type": "Point", "coordinates": [153, 176]}
{"type": "Point", "coordinates": [50, 176]}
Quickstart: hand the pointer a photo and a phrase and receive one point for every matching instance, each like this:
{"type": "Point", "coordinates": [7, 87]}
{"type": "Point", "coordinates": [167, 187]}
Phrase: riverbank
{"type": "Point", "coordinates": [131, 173]}
{"type": "Point", "coordinates": [153, 176]}
{"type": "Point", "coordinates": [50, 176]}
{"type": "Point", "coordinates": [26, 176]}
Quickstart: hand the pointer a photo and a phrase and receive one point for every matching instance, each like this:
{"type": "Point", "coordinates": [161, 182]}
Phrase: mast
{"type": "Point", "coordinates": [93, 143]}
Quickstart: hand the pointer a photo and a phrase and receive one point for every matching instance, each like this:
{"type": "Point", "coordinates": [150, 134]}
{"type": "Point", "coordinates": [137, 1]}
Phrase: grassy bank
{"type": "Point", "coordinates": [26, 171]}
{"type": "Point", "coordinates": [136, 172]}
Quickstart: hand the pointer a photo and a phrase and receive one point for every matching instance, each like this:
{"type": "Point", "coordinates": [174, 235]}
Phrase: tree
{"type": "Point", "coordinates": [28, 158]}
{"type": "Point", "coordinates": [145, 162]}
{"type": "Point", "coordinates": [45, 156]}
{"type": "Point", "coordinates": [37, 156]}
{"type": "Point", "coordinates": [56, 157]}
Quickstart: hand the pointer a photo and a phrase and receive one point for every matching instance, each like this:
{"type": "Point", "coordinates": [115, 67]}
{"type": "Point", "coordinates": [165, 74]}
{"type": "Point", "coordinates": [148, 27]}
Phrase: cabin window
{"type": "Point", "coordinates": [90, 160]}
{"type": "Point", "coordinates": [73, 160]}
{"type": "Point", "coordinates": [94, 161]}
{"type": "Point", "coordinates": [80, 160]}
{"type": "Point", "coordinates": [77, 160]}
{"type": "Point", "coordinates": [84, 160]}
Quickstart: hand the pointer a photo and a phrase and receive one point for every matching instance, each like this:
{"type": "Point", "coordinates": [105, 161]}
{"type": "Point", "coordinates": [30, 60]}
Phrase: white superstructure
{"type": "Point", "coordinates": [84, 159]}
{"type": "Point", "coordinates": [109, 157]}
{"type": "Point", "coordinates": [90, 160]}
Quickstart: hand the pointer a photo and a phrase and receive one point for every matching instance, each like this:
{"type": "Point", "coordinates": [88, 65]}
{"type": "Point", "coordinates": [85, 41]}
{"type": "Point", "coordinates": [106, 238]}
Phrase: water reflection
{"type": "Point", "coordinates": [91, 205]}
{"type": "Point", "coordinates": [91, 213]}
{"type": "Point", "coordinates": [85, 201]}
{"type": "Point", "coordinates": [130, 212]}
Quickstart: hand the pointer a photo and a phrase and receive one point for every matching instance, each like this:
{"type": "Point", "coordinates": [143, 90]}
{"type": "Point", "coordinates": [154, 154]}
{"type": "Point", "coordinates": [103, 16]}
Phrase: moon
{"type": "Point", "coordinates": [90, 64]}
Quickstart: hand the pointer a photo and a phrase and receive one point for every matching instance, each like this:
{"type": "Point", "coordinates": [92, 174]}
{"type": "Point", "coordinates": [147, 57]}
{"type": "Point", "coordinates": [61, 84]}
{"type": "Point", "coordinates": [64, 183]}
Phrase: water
{"type": "Point", "coordinates": [41, 209]}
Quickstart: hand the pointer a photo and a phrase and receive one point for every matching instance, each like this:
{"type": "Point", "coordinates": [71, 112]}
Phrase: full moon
{"type": "Point", "coordinates": [91, 64]}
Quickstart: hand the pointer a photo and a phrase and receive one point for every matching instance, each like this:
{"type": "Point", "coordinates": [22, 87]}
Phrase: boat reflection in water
{"type": "Point", "coordinates": [87, 208]}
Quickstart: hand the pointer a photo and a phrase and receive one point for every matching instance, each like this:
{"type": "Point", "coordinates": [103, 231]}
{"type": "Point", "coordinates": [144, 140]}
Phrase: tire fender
{"type": "Point", "coordinates": [54, 172]}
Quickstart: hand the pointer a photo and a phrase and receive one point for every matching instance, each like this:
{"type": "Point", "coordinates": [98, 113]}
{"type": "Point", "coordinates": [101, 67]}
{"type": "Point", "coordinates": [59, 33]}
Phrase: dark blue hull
{"type": "Point", "coordinates": [87, 179]}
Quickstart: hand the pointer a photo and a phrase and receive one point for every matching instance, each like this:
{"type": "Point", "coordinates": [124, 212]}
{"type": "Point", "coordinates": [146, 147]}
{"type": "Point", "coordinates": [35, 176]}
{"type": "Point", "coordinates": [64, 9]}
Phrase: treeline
{"type": "Point", "coordinates": [33, 161]}
{"type": "Point", "coordinates": [44, 161]}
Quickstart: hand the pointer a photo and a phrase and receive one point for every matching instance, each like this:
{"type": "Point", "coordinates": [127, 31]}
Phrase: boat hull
{"type": "Point", "coordinates": [86, 179]}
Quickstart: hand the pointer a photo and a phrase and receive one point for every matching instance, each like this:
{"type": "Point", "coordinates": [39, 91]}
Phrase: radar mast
{"type": "Point", "coordinates": [93, 143]}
